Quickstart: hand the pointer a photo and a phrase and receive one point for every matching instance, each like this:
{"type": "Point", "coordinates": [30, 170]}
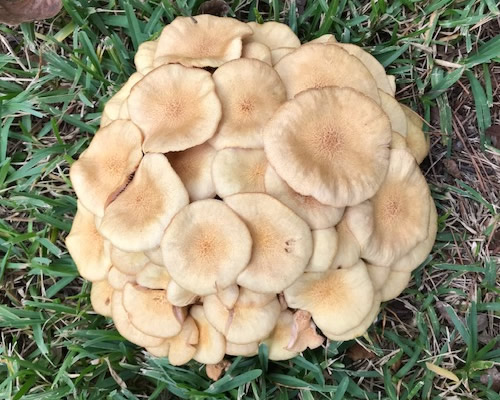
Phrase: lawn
{"type": "Point", "coordinates": [55, 77]}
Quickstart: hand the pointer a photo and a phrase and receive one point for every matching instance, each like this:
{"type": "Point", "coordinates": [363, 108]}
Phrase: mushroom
{"type": "Point", "coordinates": [128, 263]}
{"type": "Point", "coordinates": [394, 111]}
{"type": "Point", "coordinates": [246, 350]}
{"type": "Point", "coordinates": [280, 52]}
{"type": "Point", "coordinates": [153, 276]}
{"type": "Point", "coordinates": [179, 296]}
{"type": "Point", "coordinates": [325, 242]}
{"type": "Point", "coordinates": [144, 58]}
{"type": "Point", "coordinates": [155, 255]}
{"type": "Point", "coordinates": [118, 279]}
{"type": "Point", "coordinates": [100, 297]}
{"type": "Point", "coordinates": [417, 141]}
{"type": "Point", "coordinates": [211, 344]}
{"type": "Point", "coordinates": [257, 51]}
{"type": "Point", "coordinates": [273, 35]}
{"type": "Point", "coordinates": [396, 282]}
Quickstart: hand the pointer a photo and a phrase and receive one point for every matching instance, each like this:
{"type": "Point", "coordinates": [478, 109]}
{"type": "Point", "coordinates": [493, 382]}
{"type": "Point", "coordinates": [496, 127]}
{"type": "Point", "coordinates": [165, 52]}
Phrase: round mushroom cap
{"type": "Point", "coordinates": [112, 109]}
{"type": "Point", "coordinates": [211, 343]}
{"type": "Point", "coordinates": [282, 242]}
{"type": "Point", "coordinates": [400, 211]}
{"type": "Point", "coordinates": [153, 276]}
{"type": "Point", "coordinates": [103, 170]}
{"type": "Point", "coordinates": [325, 242]}
{"type": "Point", "coordinates": [395, 284]}
{"type": "Point", "coordinates": [341, 157]}
{"type": "Point", "coordinates": [206, 246]}
{"type": "Point", "coordinates": [248, 321]}
{"type": "Point", "coordinates": [237, 170]}
{"type": "Point", "coordinates": [100, 297]}
{"type": "Point", "coordinates": [257, 51]}
{"type": "Point", "coordinates": [128, 263]}
{"type": "Point", "coordinates": [194, 167]}
{"type": "Point", "coordinates": [245, 350]}
{"type": "Point", "coordinates": [145, 55]}
{"type": "Point", "coordinates": [279, 53]}
{"type": "Point", "coordinates": [317, 66]}
{"type": "Point", "coordinates": [178, 296]}
{"type": "Point", "coordinates": [89, 250]}
{"type": "Point", "coordinates": [246, 107]}
{"type": "Point", "coordinates": [395, 112]}
{"type": "Point", "coordinates": [175, 107]}
{"type": "Point", "coordinates": [118, 279]}
{"type": "Point", "coordinates": [417, 140]}
{"type": "Point", "coordinates": [201, 41]}
{"type": "Point", "coordinates": [150, 312]}
{"type": "Point", "coordinates": [338, 299]}
{"type": "Point", "coordinates": [316, 214]}
{"type": "Point", "coordinates": [273, 35]}
{"type": "Point", "coordinates": [136, 220]}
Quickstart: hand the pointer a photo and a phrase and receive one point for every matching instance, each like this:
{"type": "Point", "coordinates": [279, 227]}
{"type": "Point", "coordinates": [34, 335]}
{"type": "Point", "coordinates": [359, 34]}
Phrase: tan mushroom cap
{"type": "Point", "coordinates": [395, 112]}
{"type": "Point", "coordinates": [136, 220]}
{"type": "Point", "coordinates": [155, 255]}
{"type": "Point", "coordinates": [178, 296]}
{"type": "Point", "coordinates": [206, 246]}
{"type": "Point", "coordinates": [325, 242]}
{"type": "Point", "coordinates": [273, 35]}
{"type": "Point", "coordinates": [280, 52]}
{"type": "Point", "coordinates": [338, 299]}
{"type": "Point", "coordinates": [419, 253]}
{"type": "Point", "coordinates": [316, 214]}
{"type": "Point", "coordinates": [257, 51]}
{"type": "Point", "coordinates": [144, 57]}
{"type": "Point", "coordinates": [327, 38]}
{"type": "Point", "coordinates": [114, 104]}
{"type": "Point", "coordinates": [378, 275]}
{"type": "Point", "coordinates": [211, 343]}
{"type": "Point", "coordinates": [153, 276]}
{"type": "Point", "coordinates": [118, 279]}
{"type": "Point", "coordinates": [125, 327]}
{"type": "Point", "coordinates": [150, 312]}
{"type": "Point", "coordinates": [194, 168]}
{"type": "Point", "coordinates": [105, 119]}
{"type": "Point", "coordinates": [360, 221]}
{"type": "Point", "coordinates": [237, 170]}
{"type": "Point", "coordinates": [348, 248]}
{"type": "Point", "coordinates": [392, 82]}
{"type": "Point", "coordinates": [228, 296]}
{"type": "Point", "coordinates": [395, 284]}
{"type": "Point", "coordinates": [282, 242]}
{"type": "Point", "coordinates": [104, 168]}
{"type": "Point", "coordinates": [128, 263]}
{"type": "Point", "coordinates": [252, 318]}
{"type": "Point", "coordinates": [100, 297]}
{"type": "Point", "coordinates": [87, 247]}
{"type": "Point", "coordinates": [175, 107]}
{"type": "Point", "coordinates": [317, 66]}
{"type": "Point", "coordinates": [417, 140]}
{"type": "Point", "coordinates": [304, 333]}
{"type": "Point", "coordinates": [398, 141]}
{"type": "Point", "coordinates": [201, 41]}
{"type": "Point", "coordinates": [341, 157]}
{"type": "Point", "coordinates": [250, 91]}
{"type": "Point", "coordinates": [400, 211]}
{"type": "Point", "coordinates": [245, 350]}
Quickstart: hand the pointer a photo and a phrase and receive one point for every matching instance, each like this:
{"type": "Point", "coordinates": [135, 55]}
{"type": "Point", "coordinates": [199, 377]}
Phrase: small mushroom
{"type": "Point", "coordinates": [325, 242]}
{"type": "Point", "coordinates": [100, 297]}
{"type": "Point", "coordinates": [257, 51]}
{"type": "Point", "coordinates": [128, 263]}
{"type": "Point", "coordinates": [153, 276]}
{"type": "Point", "coordinates": [118, 279]}
{"type": "Point", "coordinates": [144, 58]}
{"type": "Point", "coordinates": [394, 111]}
{"type": "Point", "coordinates": [417, 140]}
{"type": "Point", "coordinates": [211, 344]}
{"type": "Point", "coordinates": [179, 296]}
{"type": "Point", "coordinates": [246, 350]}
{"type": "Point", "coordinates": [273, 35]}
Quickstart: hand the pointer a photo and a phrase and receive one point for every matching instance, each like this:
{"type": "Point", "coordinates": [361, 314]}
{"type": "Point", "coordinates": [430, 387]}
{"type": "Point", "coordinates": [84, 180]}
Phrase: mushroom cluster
{"type": "Point", "coordinates": [245, 189]}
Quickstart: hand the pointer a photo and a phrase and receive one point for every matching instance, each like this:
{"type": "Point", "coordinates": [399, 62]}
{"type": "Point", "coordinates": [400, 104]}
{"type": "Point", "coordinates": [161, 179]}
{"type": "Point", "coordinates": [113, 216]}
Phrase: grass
{"type": "Point", "coordinates": [55, 77]}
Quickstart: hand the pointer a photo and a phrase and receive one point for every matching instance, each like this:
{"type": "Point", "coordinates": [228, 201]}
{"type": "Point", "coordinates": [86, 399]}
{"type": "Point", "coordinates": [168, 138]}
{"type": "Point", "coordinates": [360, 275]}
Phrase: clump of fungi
{"type": "Point", "coordinates": [247, 189]}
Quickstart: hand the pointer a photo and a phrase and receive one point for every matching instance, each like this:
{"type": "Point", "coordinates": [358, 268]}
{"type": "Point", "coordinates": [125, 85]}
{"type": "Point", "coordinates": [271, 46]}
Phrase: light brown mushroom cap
{"type": "Point", "coordinates": [257, 51]}
{"type": "Point", "coordinates": [175, 107]}
{"type": "Point", "coordinates": [392, 82]}
{"type": "Point", "coordinates": [144, 57]}
{"type": "Point", "coordinates": [378, 275]}
{"type": "Point", "coordinates": [206, 246]}
{"type": "Point", "coordinates": [155, 255]}
{"type": "Point", "coordinates": [248, 321]}
{"type": "Point", "coordinates": [153, 276]}
{"type": "Point", "coordinates": [419, 253]}
{"type": "Point", "coordinates": [327, 38]}
{"type": "Point", "coordinates": [280, 52]}
{"type": "Point", "coordinates": [338, 299]}
{"type": "Point", "coordinates": [304, 333]}
{"type": "Point", "coordinates": [246, 107]}
{"type": "Point", "coordinates": [118, 279]}
{"type": "Point", "coordinates": [105, 119]}
{"type": "Point", "coordinates": [201, 41]}
{"type": "Point", "coordinates": [348, 248]}
{"type": "Point", "coordinates": [400, 211]}
{"type": "Point", "coordinates": [128, 263]}
{"type": "Point", "coordinates": [282, 242]}
{"type": "Point", "coordinates": [316, 214]}
{"type": "Point", "coordinates": [325, 242]}
{"type": "Point", "coordinates": [100, 297]}
{"type": "Point", "coordinates": [178, 296]}
{"type": "Point", "coordinates": [341, 157]}
{"type": "Point", "coordinates": [417, 140]}
{"type": "Point", "coordinates": [125, 327]}
{"type": "Point", "coordinates": [273, 35]}
{"type": "Point", "coordinates": [237, 170]}
{"type": "Point", "coordinates": [104, 168]}
{"type": "Point", "coordinates": [395, 284]}
{"type": "Point", "coordinates": [215, 371]}
{"type": "Point", "coordinates": [114, 104]}
{"type": "Point", "coordinates": [89, 250]}
{"type": "Point", "coordinates": [278, 341]}
{"type": "Point", "coordinates": [229, 295]}
{"type": "Point", "coordinates": [317, 66]}
{"type": "Point", "coordinates": [194, 167]}
{"type": "Point", "coordinates": [150, 311]}
{"type": "Point", "coordinates": [136, 220]}
{"type": "Point", "coordinates": [395, 112]}
{"type": "Point", "coordinates": [398, 141]}
{"type": "Point", "coordinates": [245, 350]}
{"type": "Point", "coordinates": [211, 343]}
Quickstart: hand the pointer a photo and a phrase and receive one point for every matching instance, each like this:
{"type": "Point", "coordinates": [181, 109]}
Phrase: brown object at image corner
{"type": "Point", "coordinates": [13, 12]}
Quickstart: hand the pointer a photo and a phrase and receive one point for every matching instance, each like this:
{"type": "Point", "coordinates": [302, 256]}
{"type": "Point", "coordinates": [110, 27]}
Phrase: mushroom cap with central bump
{"type": "Point", "coordinates": [282, 242]}
{"type": "Point", "coordinates": [175, 107]}
{"type": "Point", "coordinates": [136, 220]}
{"type": "Point", "coordinates": [206, 246]}
{"type": "Point", "coordinates": [250, 92]}
{"type": "Point", "coordinates": [339, 157]}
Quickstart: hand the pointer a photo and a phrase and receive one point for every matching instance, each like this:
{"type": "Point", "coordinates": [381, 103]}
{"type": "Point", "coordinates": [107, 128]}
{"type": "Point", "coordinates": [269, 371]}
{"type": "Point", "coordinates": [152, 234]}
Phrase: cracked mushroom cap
{"type": "Point", "coordinates": [201, 41]}
{"type": "Point", "coordinates": [252, 318]}
{"type": "Point", "coordinates": [175, 107]}
{"type": "Point", "coordinates": [325, 242]}
{"type": "Point", "coordinates": [273, 35]}
{"type": "Point", "coordinates": [112, 109]}
{"type": "Point", "coordinates": [136, 220]}
{"type": "Point", "coordinates": [338, 299]}
{"type": "Point", "coordinates": [194, 167]}
{"type": "Point", "coordinates": [128, 263]}
{"type": "Point", "coordinates": [400, 211]}
{"type": "Point", "coordinates": [316, 214]}
{"type": "Point", "coordinates": [150, 312]}
{"type": "Point", "coordinates": [395, 112]}
{"type": "Point", "coordinates": [145, 55]}
{"type": "Point", "coordinates": [89, 250]}
{"type": "Point", "coordinates": [211, 343]}
{"type": "Point", "coordinates": [250, 91]}
{"type": "Point", "coordinates": [341, 157]}
{"type": "Point", "coordinates": [257, 51]}
{"type": "Point", "coordinates": [103, 170]}
{"type": "Point", "coordinates": [100, 297]}
{"type": "Point", "coordinates": [417, 140]}
{"type": "Point", "coordinates": [315, 66]}
{"type": "Point", "coordinates": [206, 246]}
{"type": "Point", "coordinates": [153, 276]}
{"type": "Point", "coordinates": [237, 170]}
{"type": "Point", "coordinates": [282, 242]}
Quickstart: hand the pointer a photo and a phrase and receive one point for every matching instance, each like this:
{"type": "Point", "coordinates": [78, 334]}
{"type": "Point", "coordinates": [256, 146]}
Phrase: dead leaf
{"type": "Point", "coordinates": [493, 132]}
{"type": "Point", "coordinates": [492, 375]}
{"type": "Point", "coordinates": [218, 8]}
{"type": "Point", "coordinates": [357, 352]}
{"type": "Point", "coordinates": [14, 12]}
{"type": "Point", "coordinates": [452, 168]}
{"type": "Point", "coordinates": [214, 371]}
{"type": "Point", "coordinates": [442, 372]}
